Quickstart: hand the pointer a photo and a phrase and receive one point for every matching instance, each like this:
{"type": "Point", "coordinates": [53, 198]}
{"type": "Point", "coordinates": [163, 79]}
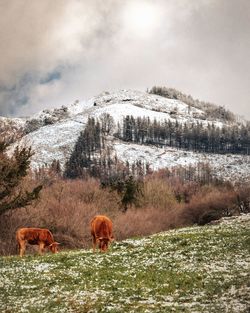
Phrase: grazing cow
{"type": "Point", "coordinates": [101, 231]}
{"type": "Point", "coordinates": [35, 236]}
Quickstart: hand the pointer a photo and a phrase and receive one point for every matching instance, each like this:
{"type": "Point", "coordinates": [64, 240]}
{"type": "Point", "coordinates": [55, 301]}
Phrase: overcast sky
{"type": "Point", "coordinates": [54, 52]}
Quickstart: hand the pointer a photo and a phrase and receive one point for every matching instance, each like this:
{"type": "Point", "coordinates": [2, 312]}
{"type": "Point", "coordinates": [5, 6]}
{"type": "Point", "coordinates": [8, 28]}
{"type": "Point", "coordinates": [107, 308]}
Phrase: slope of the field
{"type": "Point", "coordinates": [197, 269]}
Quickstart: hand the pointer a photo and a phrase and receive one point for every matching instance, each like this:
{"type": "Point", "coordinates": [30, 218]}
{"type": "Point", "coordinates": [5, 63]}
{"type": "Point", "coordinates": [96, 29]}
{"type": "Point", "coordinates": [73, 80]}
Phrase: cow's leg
{"type": "Point", "coordinates": [94, 243]}
{"type": "Point", "coordinates": [18, 247]}
{"type": "Point", "coordinates": [22, 246]}
{"type": "Point", "coordinates": [41, 247]}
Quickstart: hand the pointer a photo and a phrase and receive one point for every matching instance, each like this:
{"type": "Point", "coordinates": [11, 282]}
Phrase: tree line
{"type": "Point", "coordinates": [92, 156]}
{"type": "Point", "coordinates": [194, 136]}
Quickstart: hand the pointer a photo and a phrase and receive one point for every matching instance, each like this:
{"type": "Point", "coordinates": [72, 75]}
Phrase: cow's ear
{"type": "Point", "coordinates": [58, 243]}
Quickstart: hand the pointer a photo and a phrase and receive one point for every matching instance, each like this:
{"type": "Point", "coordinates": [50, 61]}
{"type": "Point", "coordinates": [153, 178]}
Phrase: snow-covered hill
{"type": "Point", "coordinates": [53, 133]}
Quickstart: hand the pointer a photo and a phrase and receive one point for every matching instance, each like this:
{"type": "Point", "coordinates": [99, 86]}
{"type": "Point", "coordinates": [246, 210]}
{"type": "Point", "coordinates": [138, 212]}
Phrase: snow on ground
{"type": "Point", "coordinates": [18, 122]}
{"type": "Point", "coordinates": [229, 166]}
{"type": "Point", "coordinates": [78, 107]}
{"type": "Point", "coordinates": [120, 110]}
{"type": "Point", "coordinates": [71, 110]}
{"type": "Point", "coordinates": [138, 103]}
{"type": "Point", "coordinates": [148, 101]}
{"type": "Point", "coordinates": [52, 142]}
{"type": "Point", "coordinates": [10, 127]}
{"type": "Point", "coordinates": [129, 102]}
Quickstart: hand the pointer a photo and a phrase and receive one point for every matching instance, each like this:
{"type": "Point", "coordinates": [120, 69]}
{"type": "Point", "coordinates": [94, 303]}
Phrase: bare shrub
{"type": "Point", "coordinates": [243, 198]}
{"type": "Point", "coordinates": [209, 204]}
{"type": "Point", "coordinates": [157, 194]}
{"type": "Point", "coordinates": [66, 207]}
{"type": "Point", "coordinates": [141, 222]}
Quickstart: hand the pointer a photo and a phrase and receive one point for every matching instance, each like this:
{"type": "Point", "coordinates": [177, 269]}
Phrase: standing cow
{"type": "Point", "coordinates": [101, 231]}
{"type": "Point", "coordinates": [35, 236]}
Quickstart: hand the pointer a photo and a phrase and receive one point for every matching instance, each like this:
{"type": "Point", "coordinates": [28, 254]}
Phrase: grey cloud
{"type": "Point", "coordinates": [52, 54]}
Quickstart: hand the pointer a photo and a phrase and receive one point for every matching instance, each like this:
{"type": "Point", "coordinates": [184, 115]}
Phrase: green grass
{"type": "Point", "coordinates": [197, 269]}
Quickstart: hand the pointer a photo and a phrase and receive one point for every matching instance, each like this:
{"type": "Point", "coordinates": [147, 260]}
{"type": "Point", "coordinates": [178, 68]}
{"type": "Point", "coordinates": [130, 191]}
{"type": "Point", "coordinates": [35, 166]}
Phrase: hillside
{"type": "Point", "coordinates": [196, 269]}
{"type": "Point", "coordinates": [211, 110]}
{"type": "Point", "coordinates": [53, 133]}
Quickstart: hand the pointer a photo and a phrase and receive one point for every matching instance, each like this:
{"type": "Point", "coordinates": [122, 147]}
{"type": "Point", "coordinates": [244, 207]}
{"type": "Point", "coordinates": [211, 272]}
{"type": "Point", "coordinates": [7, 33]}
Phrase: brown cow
{"type": "Point", "coordinates": [35, 236]}
{"type": "Point", "coordinates": [101, 231]}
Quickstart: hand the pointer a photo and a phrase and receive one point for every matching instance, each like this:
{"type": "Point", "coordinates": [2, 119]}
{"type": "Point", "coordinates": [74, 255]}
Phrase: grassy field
{"type": "Point", "coordinates": [197, 269]}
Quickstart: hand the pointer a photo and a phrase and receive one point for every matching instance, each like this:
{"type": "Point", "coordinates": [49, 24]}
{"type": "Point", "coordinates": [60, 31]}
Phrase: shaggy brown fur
{"type": "Point", "coordinates": [101, 231]}
{"type": "Point", "coordinates": [35, 236]}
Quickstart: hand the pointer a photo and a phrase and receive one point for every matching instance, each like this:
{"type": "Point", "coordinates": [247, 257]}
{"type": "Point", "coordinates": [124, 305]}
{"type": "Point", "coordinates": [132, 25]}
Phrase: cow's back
{"type": "Point", "coordinates": [35, 235]}
{"type": "Point", "coordinates": [101, 226]}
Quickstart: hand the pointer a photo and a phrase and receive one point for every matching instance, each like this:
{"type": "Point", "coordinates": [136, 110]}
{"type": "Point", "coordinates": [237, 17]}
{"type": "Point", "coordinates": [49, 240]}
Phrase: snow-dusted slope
{"type": "Point", "coordinates": [12, 127]}
{"type": "Point", "coordinates": [53, 133]}
{"type": "Point", "coordinates": [52, 142]}
{"type": "Point", "coordinates": [137, 103]}
{"type": "Point", "coordinates": [230, 166]}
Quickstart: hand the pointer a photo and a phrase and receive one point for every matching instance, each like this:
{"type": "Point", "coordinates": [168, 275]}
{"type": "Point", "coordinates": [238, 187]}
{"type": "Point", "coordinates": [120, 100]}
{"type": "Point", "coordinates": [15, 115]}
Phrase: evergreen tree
{"type": "Point", "coordinates": [193, 136]}
{"type": "Point", "coordinates": [127, 187]}
{"type": "Point", "coordinates": [12, 171]}
{"type": "Point", "coordinates": [131, 191]}
{"type": "Point", "coordinates": [83, 155]}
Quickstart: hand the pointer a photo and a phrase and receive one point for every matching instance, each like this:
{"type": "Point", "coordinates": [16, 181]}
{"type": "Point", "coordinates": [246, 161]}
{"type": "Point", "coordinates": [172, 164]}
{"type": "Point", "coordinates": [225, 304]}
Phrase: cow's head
{"type": "Point", "coordinates": [54, 247]}
{"type": "Point", "coordinates": [104, 242]}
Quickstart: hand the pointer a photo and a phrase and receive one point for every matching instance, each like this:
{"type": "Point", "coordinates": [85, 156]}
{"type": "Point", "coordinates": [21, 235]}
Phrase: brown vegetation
{"type": "Point", "coordinates": [66, 208]}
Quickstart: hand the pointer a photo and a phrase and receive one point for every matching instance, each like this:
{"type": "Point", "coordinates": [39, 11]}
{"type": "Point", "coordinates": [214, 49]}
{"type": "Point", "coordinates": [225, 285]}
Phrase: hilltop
{"type": "Point", "coordinates": [196, 269]}
{"type": "Point", "coordinates": [53, 133]}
